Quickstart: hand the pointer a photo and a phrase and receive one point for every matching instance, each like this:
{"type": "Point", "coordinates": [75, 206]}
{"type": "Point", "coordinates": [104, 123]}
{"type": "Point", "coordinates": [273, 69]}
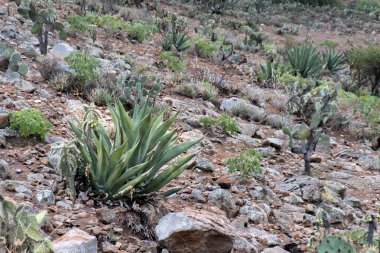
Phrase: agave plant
{"type": "Point", "coordinates": [304, 60]}
{"type": "Point", "coordinates": [333, 60]}
{"type": "Point", "coordinates": [178, 40]}
{"type": "Point", "coordinates": [137, 160]}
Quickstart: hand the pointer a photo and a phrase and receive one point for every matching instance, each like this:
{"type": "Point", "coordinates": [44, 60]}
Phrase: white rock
{"type": "Point", "coordinates": [75, 241]}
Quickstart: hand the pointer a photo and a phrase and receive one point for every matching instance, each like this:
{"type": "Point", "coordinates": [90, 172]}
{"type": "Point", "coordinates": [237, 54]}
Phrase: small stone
{"type": "Point", "coordinates": [224, 182]}
{"type": "Point", "coordinates": [45, 197]}
{"type": "Point", "coordinates": [10, 187]}
{"type": "Point", "coordinates": [4, 170]}
{"type": "Point", "coordinates": [198, 196]}
{"type": "Point", "coordinates": [109, 248]}
{"type": "Point", "coordinates": [105, 215]}
{"type": "Point", "coordinates": [224, 200]}
{"type": "Point", "coordinates": [91, 202]}
{"type": "Point", "coordinates": [204, 165]}
{"type": "Point", "coordinates": [316, 159]}
{"type": "Point", "coordinates": [18, 171]}
{"type": "Point", "coordinates": [273, 142]}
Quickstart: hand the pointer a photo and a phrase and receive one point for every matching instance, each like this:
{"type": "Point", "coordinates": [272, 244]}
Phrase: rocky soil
{"type": "Point", "coordinates": [216, 211]}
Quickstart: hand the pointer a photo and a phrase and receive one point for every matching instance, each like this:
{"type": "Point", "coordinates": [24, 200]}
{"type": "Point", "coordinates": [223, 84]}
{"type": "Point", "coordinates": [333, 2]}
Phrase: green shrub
{"type": "Point", "coordinates": [304, 60]}
{"type": "Point", "coordinates": [140, 30]}
{"type": "Point", "coordinates": [174, 63]}
{"type": "Point", "coordinates": [226, 123]}
{"type": "Point", "coordinates": [367, 5]}
{"type": "Point", "coordinates": [78, 23]}
{"type": "Point", "coordinates": [248, 163]}
{"type": "Point", "coordinates": [365, 67]}
{"type": "Point", "coordinates": [29, 122]}
{"type": "Point", "coordinates": [112, 24]}
{"type": "Point", "coordinates": [131, 162]}
{"type": "Point", "coordinates": [207, 91]}
{"type": "Point", "coordinates": [84, 66]}
{"type": "Point", "coordinates": [205, 48]}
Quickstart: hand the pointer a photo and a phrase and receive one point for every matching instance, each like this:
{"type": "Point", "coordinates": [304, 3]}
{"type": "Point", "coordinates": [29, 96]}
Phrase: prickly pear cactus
{"type": "Point", "coordinates": [45, 21]}
{"type": "Point", "coordinates": [138, 90]}
{"type": "Point", "coordinates": [14, 59]}
{"type": "Point", "coordinates": [334, 244]}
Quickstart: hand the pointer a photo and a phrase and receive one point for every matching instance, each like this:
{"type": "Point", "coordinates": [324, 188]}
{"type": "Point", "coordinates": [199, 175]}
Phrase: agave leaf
{"type": "Point", "coordinates": [23, 11]}
{"type": "Point", "coordinates": [125, 189]}
{"type": "Point", "coordinates": [170, 192]}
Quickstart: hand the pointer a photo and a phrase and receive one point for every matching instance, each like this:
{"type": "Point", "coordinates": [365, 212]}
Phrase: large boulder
{"type": "Point", "coordinates": [75, 241]}
{"type": "Point", "coordinates": [200, 231]}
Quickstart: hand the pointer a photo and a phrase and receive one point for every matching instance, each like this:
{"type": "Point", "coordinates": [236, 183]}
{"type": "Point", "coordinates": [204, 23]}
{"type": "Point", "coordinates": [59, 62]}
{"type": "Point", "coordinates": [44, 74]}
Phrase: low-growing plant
{"type": "Point", "coordinates": [304, 60]}
{"type": "Point", "coordinates": [174, 63]}
{"type": "Point", "coordinates": [207, 91]}
{"type": "Point", "coordinates": [130, 163]}
{"type": "Point", "coordinates": [205, 48]}
{"type": "Point", "coordinates": [187, 90]}
{"type": "Point", "coordinates": [29, 122]}
{"type": "Point", "coordinates": [140, 30]}
{"type": "Point", "coordinates": [80, 24]}
{"type": "Point", "coordinates": [227, 124]}
{"type": "Point", "coordinates": [21, 228]}
{"type": "Point", "coordinates": [175, 37]}
{"type": "Point", "coordinates": [84, 66]}
{"type": "Point", "coordinates": [112, 24]}
{"type": "Point", "coordinates": [367, 5]}
{"type": "Point", "coordinates": [329, 44]}
{"type": "Point", "coordinates": [248, 162]}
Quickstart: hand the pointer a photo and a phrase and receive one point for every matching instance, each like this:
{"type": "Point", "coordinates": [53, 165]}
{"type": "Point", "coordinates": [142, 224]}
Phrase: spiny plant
{"type": "Point", "coordinates": [139, 90]}
{"type": "Point", "coordinates": [45, 21]}
{"type": "Point", "coordinates": [131, 162]}
{"type": "Point", "coordinates": [29, 122]}
{"type": "Point", "coordinates": [308, 135]}
{"type": "Point", "coordinates": [334, 244]}
{"type": "Point", "coordinates": [21, 228]}
{"type": "Point", "coordinates": [304, 60]}
{"type": "Point", "coordinates": [69, 165]}
{"type": "Point", "coordinates": [175, 37]}
{"type": "Point", "coordinates": [14, 59]}
{"type": "Point", "coordinates": [333, 60]}
{"type": "Point", "coordinates": [247, 162]}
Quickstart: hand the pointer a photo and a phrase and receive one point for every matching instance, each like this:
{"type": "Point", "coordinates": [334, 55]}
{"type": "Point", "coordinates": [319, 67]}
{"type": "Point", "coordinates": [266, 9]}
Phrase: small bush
{"type": "Point", "coordinates": [174, 63]}
{"type": "Point", "coordinates": [365, 67]}
{"type": "Point", "coordinates": [367, 5]}
{"type": "Point", "coordinates": [224, 121]}
{"type": "Point", "coordinates": [207, 91]}
{"type": "Point", "coordinates": [187, 90]}
{"type": "Point", "coordinates": [112, 24]}
{"type": "Point", "coordinates": [84, 66]}
{"type": "Point", "coordinates": [100, 96]}
{"type": "Point", "coordinates": [204, 48]}
{"type": "Point", "coordinates": [29, 122]}
{"type": "Point", "coordinates": [140, 30]}
{"type": "Point", "coordinates": [79, 23]}
{"type": "Point", "coordinates": [60, 81]}
{"type": "Point", "coordinates": [248, 163]}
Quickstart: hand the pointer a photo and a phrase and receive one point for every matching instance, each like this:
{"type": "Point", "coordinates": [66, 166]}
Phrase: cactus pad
{"type": "Point", "coordinates": [334, 244]}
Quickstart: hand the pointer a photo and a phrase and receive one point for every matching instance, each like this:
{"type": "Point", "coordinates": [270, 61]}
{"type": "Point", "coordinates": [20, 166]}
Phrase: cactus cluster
{"type": "Point", "coordinates": [45, 21]}
{"type": "Point", "coordinates": [138, 90]}
{"type": "Point", "coordinates": [334, 244]}
{"type": "Point", "coordinates": [14, 59]}
{"type": "Point", "coordinates": [21, 229]}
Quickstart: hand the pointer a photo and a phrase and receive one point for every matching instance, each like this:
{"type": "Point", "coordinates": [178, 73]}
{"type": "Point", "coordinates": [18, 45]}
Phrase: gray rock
{"type": "Point", "coordinates": [61, 49]}
{"type": "Point", "coordinates": [4, 170]}
{"type": "Point", "coordinates": [352, 201]}
{"type": "Point", "coordinates": [45, 197]}
{"type": "Point", "coordinates": [20, 188]}
{"type": "Point", "coordinates": [198, 231]}
{"type": "Point", "coordinates": [336, 215]}
{"type": "Point", "coordinates": [198, 196]}
{"type": "Point", "coordinates": [35, 177]}
{"type": "Point", "coordinates": [308, 186]}
{"type": "Point", "coordinates": [340, 175]}
{"type": "Point", "coordinates": [254, 213]}
{"type": "Point", "coordinates": [105, 215]}
{"type": "Point", "coordinates": [274, 142]}
{"type": "Point", "coordinates": [293, 199]}
{"type": "Point", "coordinates": [75, 241]}
{"type": "Point", "coordinates": [53, 159]}
{"type": "Point", "coordinates": [204, 164]}
{"type": "Point", "coordinates": [336, 187]}
{"type": "Point", "coordinates": [266, 151]}
{"type": "Point", "coordinates": [276, 249]}
{"type": "Point", "coordinates": [264, 237]}
{"type": "Point", "coordinates": [63, 204]}
{"type": "Point", "coordinates": [75, 107]}
{"type": "Point", "coordinates": [224, 200]}
{"type": "Point", "coordinates": [253, 112]}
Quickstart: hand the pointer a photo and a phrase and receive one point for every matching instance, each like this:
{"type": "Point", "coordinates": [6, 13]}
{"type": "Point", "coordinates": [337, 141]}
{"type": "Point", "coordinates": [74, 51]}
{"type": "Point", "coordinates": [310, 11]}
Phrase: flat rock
{"type": "Point", "coordinates": [75, 241]}
{"type": "Point", "coordinates": [276, 249]}
{"type": "Point", "coordinates": [61, 50]}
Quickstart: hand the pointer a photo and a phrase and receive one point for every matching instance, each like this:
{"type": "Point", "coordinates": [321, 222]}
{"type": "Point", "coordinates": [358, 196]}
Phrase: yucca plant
{"type": "Point", "coordinates": [304, 60]}
{"type": "Point", "coordinates": [333, 60]}
{"type": "Point", "coordinates": [137, 160]}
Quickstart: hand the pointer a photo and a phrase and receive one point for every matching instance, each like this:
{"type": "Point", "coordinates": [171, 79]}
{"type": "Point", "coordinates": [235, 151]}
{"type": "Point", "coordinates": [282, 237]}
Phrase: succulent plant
{"type": "Point", "coordinates": [14, 59]}
{"type": "Point", "coordinates": [21, 228]}
{"type": "Point", "coordinates": [133, 162]}
{"type": "Point", "coordinates": [136, 91]}
{"type": "Point", "coordinates": [45, 21]}
{"type": "Point", "coordinates": [334, 244]}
